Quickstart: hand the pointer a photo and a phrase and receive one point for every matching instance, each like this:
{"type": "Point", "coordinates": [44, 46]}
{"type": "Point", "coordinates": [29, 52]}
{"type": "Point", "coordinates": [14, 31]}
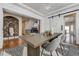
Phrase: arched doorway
{"type": "Point", "coordinates": [10, 26]}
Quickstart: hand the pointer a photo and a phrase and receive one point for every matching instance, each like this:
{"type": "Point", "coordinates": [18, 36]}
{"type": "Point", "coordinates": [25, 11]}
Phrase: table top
{"type": "Point", "coordinates": [37, 40]}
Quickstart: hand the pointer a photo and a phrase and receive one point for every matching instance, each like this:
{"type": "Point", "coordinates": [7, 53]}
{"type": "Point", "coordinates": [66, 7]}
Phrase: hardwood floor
{"type": "Point", "coordinates": [12, 43]}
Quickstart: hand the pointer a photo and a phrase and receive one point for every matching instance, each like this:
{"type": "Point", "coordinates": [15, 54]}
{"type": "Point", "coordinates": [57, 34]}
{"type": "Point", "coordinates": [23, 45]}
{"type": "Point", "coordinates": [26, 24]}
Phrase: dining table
{"type": "Point", "coordinates": [35, 41]}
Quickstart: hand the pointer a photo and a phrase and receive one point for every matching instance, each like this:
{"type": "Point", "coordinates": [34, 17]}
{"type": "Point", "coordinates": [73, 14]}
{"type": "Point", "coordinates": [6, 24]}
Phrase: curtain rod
{"type": "Point", "coordinates": [63, 13]}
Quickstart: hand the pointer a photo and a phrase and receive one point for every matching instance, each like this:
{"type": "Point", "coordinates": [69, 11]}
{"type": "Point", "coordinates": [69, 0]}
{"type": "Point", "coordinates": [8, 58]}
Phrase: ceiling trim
{"type": "Point", "coordinates": [68, 6]}
{"type": "Point", "coordinates": [29, 8]}
{"type": "Point", "coordinates": [41, 14]}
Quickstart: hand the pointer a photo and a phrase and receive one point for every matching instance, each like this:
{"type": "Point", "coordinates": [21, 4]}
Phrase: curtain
{"type": "Point", "coordinates": [55, 24]}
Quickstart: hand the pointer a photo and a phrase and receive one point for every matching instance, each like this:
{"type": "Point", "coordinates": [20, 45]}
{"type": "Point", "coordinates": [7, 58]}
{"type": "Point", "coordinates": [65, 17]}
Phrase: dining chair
{"type": "Point", "coordinates": [61, 43]}
{"type": "Point", "coordinates": [64, 46]}
{"type": "Point", "coordinates": [51, 46]}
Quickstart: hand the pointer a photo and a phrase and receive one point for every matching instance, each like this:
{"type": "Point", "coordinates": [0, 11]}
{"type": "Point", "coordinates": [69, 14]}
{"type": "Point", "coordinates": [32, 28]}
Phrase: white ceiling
{"type": "Point", "coordinates": [46, 8]}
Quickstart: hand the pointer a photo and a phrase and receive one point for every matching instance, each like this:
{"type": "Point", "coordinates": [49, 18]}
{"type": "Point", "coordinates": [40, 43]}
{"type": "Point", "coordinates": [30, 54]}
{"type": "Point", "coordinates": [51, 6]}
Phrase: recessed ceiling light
{"type": "Point", "coordinates": [47, 7]}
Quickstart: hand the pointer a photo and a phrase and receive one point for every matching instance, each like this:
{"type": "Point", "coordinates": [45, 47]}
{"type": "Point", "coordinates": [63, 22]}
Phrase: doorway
{"type": "Point", "coordinates": [70, 29]}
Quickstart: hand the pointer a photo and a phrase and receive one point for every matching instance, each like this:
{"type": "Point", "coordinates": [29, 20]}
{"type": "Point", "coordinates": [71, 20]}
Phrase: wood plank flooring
{"type": "Point", "coordinates": [12, 43]}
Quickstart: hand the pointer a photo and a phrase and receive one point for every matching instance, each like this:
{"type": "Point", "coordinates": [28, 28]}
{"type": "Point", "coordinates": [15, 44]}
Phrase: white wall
{"type": "Point", "coordinates": [44, 25]}
{"type": "Point", "coordinates": [20, 26]}
{"type": "Point", "coordinates": [15, 9]}
{"type": "Point", "coordinates": [19, 11]}
{"type": "Point", "coordinates": [56, 22]}
{"type": "Point", "coordinates": [1, 28]}
{"type": "Point", "coordinates": [77, 27]}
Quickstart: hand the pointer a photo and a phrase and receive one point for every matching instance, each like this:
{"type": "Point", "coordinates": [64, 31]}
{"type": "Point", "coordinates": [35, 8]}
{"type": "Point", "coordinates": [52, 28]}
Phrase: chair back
{"type": "Point", "coordinates": [54, 44]}
{"type": "Point", "coordinates": [62, 39]}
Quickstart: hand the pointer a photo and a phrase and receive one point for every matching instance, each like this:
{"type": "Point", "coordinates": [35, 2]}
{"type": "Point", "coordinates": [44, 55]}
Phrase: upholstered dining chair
{"type": "Point", "coordinates": [64, 46]}
{"type": "Point", "coordinates": [51, 46]}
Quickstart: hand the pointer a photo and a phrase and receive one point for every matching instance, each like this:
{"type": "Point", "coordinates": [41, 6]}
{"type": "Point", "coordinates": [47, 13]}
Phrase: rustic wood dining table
{"type": "Point", "coordinates": [35, 41]}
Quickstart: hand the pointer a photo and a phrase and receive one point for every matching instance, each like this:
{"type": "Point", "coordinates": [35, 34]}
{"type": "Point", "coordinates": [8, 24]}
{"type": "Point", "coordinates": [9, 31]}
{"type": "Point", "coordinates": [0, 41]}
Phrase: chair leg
{"type": "Point", "coordinates": [56, 52]}
{"type": "Point", "coordinates": [51, 53]}
{"type": "Point", "coordinates": [2, 53]}
{"type": "Point", "coordinates": [42, 52]}
{"type": "Point", "coordinates": [68, 51]}
{"type": "Point", "coordinates": [61, 49]}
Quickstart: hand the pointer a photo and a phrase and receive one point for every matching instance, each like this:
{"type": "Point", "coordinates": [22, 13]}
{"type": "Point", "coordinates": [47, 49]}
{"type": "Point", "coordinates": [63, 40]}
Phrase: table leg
{"type": "Point", "coordinates": [31, 51]}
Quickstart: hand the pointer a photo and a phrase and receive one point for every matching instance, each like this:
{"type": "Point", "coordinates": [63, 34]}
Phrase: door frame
{"type": "Point", "coordinates": [73, 13]}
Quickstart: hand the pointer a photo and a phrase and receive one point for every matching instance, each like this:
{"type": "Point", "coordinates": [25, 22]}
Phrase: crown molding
{"type": "Point", "coordinates": [28, 8]}
{"type": "Point", "coordinates": [41, 14]}
{"type": "Point", "coordinates": [64, 8]}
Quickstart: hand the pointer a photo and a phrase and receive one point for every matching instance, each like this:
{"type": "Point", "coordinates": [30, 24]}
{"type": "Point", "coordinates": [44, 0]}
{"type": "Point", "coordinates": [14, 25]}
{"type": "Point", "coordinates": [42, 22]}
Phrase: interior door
{"type": "Point", "coordinates": [70, 34]}
{"type": "Point", "coordinates": [70, 28]}
{"type": "Point", "coordinates": [67, 35]}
